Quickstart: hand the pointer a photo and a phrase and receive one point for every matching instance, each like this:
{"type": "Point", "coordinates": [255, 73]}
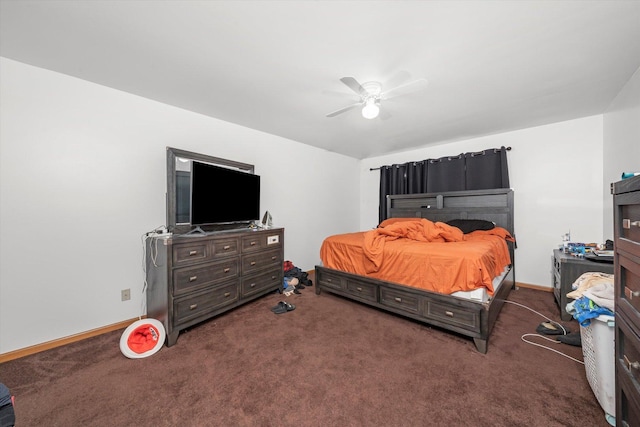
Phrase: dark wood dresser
{"type": "Point", "coordinates": [195, 277]}
{"type": "Point", "coordinates": [626, 205]}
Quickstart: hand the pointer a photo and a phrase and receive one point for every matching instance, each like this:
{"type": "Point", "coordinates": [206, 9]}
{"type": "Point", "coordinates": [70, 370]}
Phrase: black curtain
{"type": "Point", "coordinates": [445, 174]}
{"type": "Point", "coordinates": [466, 171]}
{"type": "Point", "coordinates": [486, 169]}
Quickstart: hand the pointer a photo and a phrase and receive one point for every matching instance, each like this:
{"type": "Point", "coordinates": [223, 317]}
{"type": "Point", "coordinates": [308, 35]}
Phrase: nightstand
{"type": "Point", "coordinates": [565, 269]}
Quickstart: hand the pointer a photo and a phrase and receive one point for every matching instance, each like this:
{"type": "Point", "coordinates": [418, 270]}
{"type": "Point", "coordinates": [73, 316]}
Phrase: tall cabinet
{"type": "Point", "coordinates": [626, 204]}
{"type": "Point", "coordinates": [191, 278]}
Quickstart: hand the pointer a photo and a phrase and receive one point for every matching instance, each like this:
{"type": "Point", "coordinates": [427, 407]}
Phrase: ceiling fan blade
{"type": "Point", "coordinates": [354, 85]}
{"type": "Point", "coordinates": [404, 89]}
{"type": "Point", "coordinates": [342, 110]}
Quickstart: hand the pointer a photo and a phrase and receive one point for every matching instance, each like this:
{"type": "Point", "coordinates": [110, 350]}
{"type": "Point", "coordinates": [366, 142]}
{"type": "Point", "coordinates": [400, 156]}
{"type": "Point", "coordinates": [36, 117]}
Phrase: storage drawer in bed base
{"type": "Point", "coordinates": [469, 318]}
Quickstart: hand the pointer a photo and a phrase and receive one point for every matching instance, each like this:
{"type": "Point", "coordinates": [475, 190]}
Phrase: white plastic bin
{"type": "Point", "coordinates": [598, 351]}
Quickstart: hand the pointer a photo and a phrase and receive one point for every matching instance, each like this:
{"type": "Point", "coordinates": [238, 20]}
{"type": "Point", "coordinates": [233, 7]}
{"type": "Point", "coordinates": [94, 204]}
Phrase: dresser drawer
{"type": "Point", "coordinates": [263, 240]}
{"type": "Point", "coordinates": [628, 345]}
{"type": "Point", "coordinates": [253, 284]}
{"type": "Point", "coordinates": [362, 291]}
{"type": "Point", "coordinates": [628, 223]}
{"type": "Point", "coordinates": [627, 282]}
{"type": "Point", "coordinates": [329, 280]}
{"type": "Point", "coordinates": [190, 253]}
{"type": "Point", "coordinates": [397, 298]}
{"type": "Point", "coordinates": [627, 372]}
{"type": "Point", "coordinates": [452, 314]}
{"type": "Point", "coordinates": [261, 260]}
{"type": "Point", "coordinates": [200, 303]}
{"type": "Point", "coordinates": [227, 247]}
{"type": "Point", "coordinates": [189, 279]}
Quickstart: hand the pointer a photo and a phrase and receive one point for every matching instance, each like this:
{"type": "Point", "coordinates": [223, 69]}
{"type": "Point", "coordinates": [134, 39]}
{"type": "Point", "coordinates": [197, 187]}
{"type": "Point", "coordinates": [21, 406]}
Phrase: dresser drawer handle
{"type": "Point", "coordinates": [398, 299]}
{"type": "Point", "coordinates": [252, 263]}
{"type": "Point", "coordinates": [226, 294]}
{"type": "Point", "coordinates": [193, 278]}
{"type": "Point", "coordinates": [226, 247]}
{"type": "Point", "coordinates": [329, 280]}
{"type": "Point", "coordinates": [273, 258]}
{"type": "Point", "coordinates": [193, 306]}
{"type": "Point", "coordinates": [253, 243]}
{"type": "Point", "coordinates": [226, 270]}
{"type": "Point", "coordinates": [253, 285]}
{"type": "Point", "coordinates": [449, 313]}
{"type": "Point", "coordinates": [630, 364]}
{"type": "Point", "coordinates": [192, 253]}
{"type": "Point", "coordinates": [630, 294]}
{"type": "Point", "coordinates": [627, 223]}
{"type": "Point", "coordinates": [359, 289]}
{"type": "Point", "coordinates": [273, 277]}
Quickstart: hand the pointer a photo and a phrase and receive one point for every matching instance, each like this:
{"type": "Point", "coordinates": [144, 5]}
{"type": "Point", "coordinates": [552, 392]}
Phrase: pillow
{"type": "Point", "coordinates": [469, 225]}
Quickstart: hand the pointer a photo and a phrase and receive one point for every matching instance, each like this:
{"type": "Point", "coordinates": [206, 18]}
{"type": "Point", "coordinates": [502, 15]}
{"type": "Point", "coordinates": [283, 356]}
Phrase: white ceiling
{"type": "Point", "coordinates": [275, 66]}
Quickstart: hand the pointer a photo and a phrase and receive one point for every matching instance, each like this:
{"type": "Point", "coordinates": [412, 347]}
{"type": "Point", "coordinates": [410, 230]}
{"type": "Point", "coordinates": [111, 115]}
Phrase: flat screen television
{"type": "Point", "coordinates": [221, 195]}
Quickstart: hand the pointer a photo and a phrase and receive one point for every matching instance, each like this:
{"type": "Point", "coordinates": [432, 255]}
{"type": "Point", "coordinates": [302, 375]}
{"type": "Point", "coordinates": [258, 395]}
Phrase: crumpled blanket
{"type": "Point", "coordinates": [588, 280]}
{"type": "Point", "coordinates": [602, 294]}
{"type": "Point", "coordinates": [421, 230]}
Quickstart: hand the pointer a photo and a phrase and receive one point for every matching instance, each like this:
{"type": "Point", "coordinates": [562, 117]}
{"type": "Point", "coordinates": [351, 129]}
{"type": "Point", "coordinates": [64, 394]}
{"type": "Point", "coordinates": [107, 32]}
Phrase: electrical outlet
{"type": "Point", "coordinates": [126, 294]}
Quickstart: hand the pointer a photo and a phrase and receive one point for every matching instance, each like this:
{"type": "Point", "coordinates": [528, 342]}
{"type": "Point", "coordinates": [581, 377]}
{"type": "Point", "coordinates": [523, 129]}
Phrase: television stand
{"type": "Point", "coordinates": [198, 230]}
{"type": "Point", "coordinates": [192, 280]}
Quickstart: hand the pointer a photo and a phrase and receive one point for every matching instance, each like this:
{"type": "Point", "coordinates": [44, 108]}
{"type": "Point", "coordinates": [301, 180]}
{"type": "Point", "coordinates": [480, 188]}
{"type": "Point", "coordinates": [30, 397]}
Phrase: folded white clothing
{"type": "Point", "coordinates": [602, 294]}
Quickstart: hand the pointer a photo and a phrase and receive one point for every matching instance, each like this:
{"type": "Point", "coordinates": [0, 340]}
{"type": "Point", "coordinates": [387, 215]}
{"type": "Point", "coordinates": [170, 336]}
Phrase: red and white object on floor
{"type": "Point", "coordinates": [142, 338]}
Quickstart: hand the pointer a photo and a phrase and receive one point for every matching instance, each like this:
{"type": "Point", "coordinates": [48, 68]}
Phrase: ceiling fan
{"type": "Point", "coordinates": [371, 94]}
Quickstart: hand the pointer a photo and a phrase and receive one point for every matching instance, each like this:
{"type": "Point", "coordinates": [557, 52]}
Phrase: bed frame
{"type": "Point", "coordinates": [470, 318]}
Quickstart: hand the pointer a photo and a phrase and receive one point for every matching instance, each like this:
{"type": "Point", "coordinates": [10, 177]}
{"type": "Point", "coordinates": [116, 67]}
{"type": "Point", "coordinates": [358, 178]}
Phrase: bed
{"type": "Point", "coordinates": [386, 267]}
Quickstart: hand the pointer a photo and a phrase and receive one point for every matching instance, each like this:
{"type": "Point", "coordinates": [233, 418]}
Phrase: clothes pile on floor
{"type": "Point", "coordinates": [294, 279]}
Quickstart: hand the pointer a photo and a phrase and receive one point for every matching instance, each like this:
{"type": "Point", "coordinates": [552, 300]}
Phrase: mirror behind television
{"type": "Point", "coordinates": [208, 194]}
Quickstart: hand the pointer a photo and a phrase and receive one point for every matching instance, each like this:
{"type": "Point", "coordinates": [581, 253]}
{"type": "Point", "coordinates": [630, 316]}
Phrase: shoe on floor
{"type": "Point", "coordinates": [572, 339]}
{"type": "Point", "coordinates": [550, 328]}
{"type": "Point", "coordinates": [283, 307]}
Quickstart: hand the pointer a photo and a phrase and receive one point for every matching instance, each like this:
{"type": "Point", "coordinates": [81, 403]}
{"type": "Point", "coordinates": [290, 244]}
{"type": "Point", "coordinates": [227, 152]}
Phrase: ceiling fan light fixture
{"type": "Point", "coordinates": [370, 109]}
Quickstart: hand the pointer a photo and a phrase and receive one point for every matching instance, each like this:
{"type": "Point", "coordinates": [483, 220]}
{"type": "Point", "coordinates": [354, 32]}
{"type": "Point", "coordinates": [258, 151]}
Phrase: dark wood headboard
{"type": "Point", "coordinates": [492, 205]}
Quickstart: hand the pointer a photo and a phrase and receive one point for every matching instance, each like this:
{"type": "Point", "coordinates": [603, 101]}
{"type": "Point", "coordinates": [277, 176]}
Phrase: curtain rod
{"type": "Point", "coordinates": [476, 153]}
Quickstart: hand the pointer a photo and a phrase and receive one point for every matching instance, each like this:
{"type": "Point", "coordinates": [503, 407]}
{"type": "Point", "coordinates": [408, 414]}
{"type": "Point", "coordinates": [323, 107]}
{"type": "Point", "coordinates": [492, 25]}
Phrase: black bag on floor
{"type": "Point", "coordinates": [7, 414]}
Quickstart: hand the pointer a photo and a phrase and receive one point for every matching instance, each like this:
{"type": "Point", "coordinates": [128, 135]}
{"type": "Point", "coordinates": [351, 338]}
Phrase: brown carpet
{"type": "Point", "coordinates": [330, 362]}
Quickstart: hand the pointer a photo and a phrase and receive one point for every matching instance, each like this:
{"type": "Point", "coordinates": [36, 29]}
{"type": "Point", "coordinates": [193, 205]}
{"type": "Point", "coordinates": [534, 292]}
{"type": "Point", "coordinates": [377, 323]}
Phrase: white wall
{"type": "Point", "coordinates": [556, 174]}
{"type": "Point", "coordinates": [621, 142]}
{"type": "Point", "coordinates": [82, 177]}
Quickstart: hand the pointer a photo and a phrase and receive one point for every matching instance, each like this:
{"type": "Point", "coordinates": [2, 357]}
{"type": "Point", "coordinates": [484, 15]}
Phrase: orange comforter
{"type": "Point", "coordinates": [423, 254]}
